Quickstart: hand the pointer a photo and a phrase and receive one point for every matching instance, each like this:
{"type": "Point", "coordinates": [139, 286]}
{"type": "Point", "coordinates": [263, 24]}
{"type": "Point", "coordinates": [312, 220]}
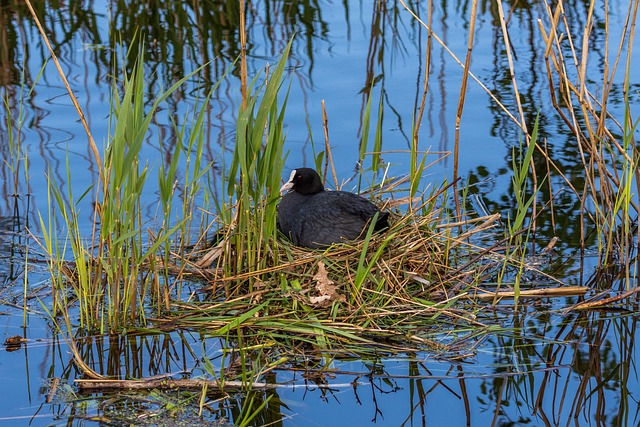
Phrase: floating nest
{"type": "Point", "coordinates": [391, 292]}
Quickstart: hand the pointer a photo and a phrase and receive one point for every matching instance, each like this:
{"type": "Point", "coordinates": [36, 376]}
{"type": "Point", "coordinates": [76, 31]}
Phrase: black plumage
{"type": "Point", "coordinates": [315, 218]}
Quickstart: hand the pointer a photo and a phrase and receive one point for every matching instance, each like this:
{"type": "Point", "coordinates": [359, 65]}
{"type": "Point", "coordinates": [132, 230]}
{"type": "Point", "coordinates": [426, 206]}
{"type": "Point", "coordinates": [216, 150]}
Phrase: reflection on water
{"type": "Point", "coordinates": [546, 368]}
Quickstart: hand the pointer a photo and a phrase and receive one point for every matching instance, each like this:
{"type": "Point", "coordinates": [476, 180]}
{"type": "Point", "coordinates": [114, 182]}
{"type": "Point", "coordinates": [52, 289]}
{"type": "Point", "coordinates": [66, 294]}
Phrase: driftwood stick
{"type": "Point", "coordinates": [141, 384]}
{"type": "Point", "coordinates": [164, 384]}
{"type": "Point", "coordinates": [531, 293]}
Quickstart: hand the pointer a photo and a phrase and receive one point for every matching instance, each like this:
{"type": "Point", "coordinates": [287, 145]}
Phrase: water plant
{"type": "Point", "coordinates": [115, 272]}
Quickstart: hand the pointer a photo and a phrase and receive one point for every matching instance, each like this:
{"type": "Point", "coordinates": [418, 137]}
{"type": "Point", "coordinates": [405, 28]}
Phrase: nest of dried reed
{"type": "Point", "coordinates": [394, 291]}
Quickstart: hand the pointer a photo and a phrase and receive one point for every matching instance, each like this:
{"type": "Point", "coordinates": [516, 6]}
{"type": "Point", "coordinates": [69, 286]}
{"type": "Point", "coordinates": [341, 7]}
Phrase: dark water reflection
{"type": "Point", "coordinates": [546, 368]}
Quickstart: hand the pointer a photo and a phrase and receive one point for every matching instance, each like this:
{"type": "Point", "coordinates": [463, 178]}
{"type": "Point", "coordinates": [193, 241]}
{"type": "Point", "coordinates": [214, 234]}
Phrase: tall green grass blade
{"type": "Point", "coordinates": [363, 270]}
{"type": "Point", "coordinates": [366, 122]}
{"type": "Point", "coordinates": [377, 142]}
{"type": "Point", "coordinates": [520, 172]}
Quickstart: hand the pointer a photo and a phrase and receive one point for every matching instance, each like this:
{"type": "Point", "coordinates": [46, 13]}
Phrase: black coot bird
{"type": "Point", "coordinates": [315, 218]}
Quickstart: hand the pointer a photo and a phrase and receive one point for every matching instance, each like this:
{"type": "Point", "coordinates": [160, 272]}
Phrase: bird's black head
{"type": "Point", "coordinates": [304, 181]}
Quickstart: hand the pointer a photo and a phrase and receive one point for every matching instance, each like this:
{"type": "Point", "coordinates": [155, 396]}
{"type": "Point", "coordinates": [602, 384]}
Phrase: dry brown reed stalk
{"type": "Point", "coordinates": [77, 356]}
{"type": "Point", "coordinates": [531, 293]}
{"type": "Point", "coordinates": [425, 86]}
{"type": "Point", "coordinates": [556, 62]}
{"type": "Point", "coordinates": [168, 384]}
{"type": "Point", "coordinates": [461, 99]}
{"type": "Point", "coordinates": [328, 159]}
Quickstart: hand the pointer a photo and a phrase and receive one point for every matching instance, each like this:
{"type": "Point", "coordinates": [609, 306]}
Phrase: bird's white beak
{"type": "Point", "coordinates": [289, 184]}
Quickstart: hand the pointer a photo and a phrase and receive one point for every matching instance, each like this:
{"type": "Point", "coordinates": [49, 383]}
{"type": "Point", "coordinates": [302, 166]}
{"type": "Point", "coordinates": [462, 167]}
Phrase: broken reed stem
{"type": "Point", "coordinates": [461, 99]}
{"type": "Point", "coordinates": [594, 304]}
{"type": "Point", "coordinates": [328, 158]}
{"type": "Point", "coordinates": [425, 87]}
{"type": "Point", "coordinates": [92, 143]}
